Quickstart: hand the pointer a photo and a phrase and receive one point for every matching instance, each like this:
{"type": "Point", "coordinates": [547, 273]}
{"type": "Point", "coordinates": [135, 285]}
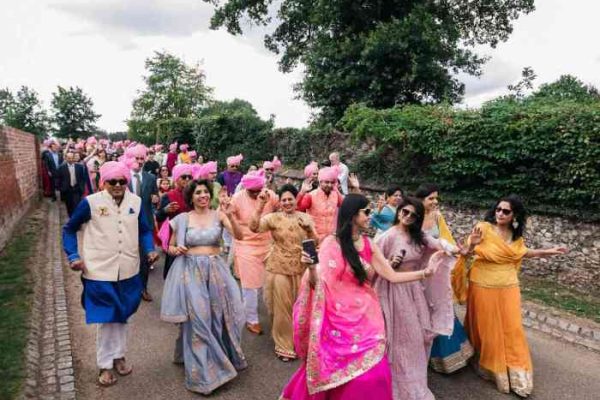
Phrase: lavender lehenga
{"type": "Point", "coordinates": [415, 312]}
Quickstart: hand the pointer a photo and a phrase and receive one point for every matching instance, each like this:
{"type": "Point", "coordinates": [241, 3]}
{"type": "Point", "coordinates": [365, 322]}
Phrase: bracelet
{"type": "Point", "coordinates": [423, 274]}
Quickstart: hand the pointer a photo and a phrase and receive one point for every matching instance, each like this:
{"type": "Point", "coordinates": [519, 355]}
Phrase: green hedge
{"type": "Point", "coordinates": [546, 151]}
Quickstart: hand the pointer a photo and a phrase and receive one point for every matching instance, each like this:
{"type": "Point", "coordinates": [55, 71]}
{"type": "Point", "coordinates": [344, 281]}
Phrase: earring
{"type": "Point", "coordinates": [515, 224]}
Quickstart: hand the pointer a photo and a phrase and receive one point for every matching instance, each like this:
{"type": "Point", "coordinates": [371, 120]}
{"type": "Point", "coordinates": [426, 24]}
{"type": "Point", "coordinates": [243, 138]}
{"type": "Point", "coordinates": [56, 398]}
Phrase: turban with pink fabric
{"type": "Point", "coordinates": [193, 153]}
{"type": "Point", "coordinates": [328, 174]}
{"type": "Point", "coordinates": [254, 180]}
{"type": "Point", "coordinates": [275, 164]}
{"type": "Point", "coordinates": [184, 147]}
{"type": "Point", "coordinates": [79, 145]}
{"type": "Point", "coordinates": [310, 169]}
{"type": "Point", "coordinates": [173, 146]}
{"type": "Point", "coordinates": [91, 140]}
{"type": "Point", "coordinates": [181, 169]}
{"type": "Point", "coordinates": [197, 171]}
{"type": "Point", "coordinates": [210, 167]}
{"type": "Point", "coordinates": [158, 147]}
{"type": "Point", "coordinates": [235, 160]}
{"type": "Point", "coordinates": [114, 170]}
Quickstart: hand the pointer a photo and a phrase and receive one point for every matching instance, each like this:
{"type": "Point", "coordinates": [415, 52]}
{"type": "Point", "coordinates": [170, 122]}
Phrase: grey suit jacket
{"type": "Point", "coordinates": [148, 189]}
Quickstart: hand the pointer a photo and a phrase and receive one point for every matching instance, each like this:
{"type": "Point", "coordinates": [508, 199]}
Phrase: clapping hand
{"type": "Point", "coordinates": [306, 186]}
{"type": "Point", "coordinates": [225, 203]}
{"type": "Point", "coordinates": [263, 196]}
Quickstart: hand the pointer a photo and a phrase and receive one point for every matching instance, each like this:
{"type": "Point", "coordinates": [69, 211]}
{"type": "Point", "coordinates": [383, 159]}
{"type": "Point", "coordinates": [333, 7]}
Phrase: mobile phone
{"type": "Point", "coordinates": [310, 247]}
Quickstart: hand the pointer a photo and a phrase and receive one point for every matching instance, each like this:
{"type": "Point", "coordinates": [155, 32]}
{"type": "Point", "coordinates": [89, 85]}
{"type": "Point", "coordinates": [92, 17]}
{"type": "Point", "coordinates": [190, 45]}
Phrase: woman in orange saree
{"type": "Point", "coordinates": [339, 329]}
{"type": "Point", "coordinates": [493, 320]}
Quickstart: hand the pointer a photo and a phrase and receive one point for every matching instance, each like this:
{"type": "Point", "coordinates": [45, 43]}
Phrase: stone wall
{"type": "Point", "coordinates": [19, 177]}
{"type": "Point", "coordinates": [579, 269]}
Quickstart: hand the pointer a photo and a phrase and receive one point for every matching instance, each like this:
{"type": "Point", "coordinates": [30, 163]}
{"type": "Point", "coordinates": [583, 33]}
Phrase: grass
{"type": "Point", "coordinates": [585, 305]}
{"type": "Point", "coordinates": [16, 289]}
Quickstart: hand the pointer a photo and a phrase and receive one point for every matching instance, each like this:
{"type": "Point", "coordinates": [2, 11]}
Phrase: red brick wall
{"type": "Point", "coordinates": [19, 177]}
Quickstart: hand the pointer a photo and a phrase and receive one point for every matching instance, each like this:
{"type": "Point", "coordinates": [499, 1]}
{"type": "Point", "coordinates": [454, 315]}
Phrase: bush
{"type": "Point", "coordinates": [547, 152]}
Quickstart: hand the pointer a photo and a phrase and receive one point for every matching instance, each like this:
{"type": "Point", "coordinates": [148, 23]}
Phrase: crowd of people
{"type": "Point", "coordinates": [367, 315]}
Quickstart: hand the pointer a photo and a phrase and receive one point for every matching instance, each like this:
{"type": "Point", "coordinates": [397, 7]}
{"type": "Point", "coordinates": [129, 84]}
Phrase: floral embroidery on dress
{"type": "Point", "coordinates": [332, 264]}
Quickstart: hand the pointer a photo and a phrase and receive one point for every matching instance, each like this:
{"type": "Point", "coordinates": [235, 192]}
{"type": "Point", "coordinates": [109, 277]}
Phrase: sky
{"type": "Point", "coordinates": [101, 46]}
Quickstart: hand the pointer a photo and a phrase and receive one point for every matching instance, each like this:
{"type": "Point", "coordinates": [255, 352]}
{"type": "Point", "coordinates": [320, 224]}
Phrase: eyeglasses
{"type": "Point", "coordinates": [115, 182]}
{"type": "Point", "coordinates": [269, 169]}
{"type": "Point", "coordinates": [407, 213]}
{"type": "Point", "coordinates": [504, 211]}
{"type": "Point", "coordinates": [234, 166]}
{"type": "Point", "coordinates": [140, 159]}
{"type": "Point", "coordinates": [186, 177]}
{"type": "Point", "coordinates": [367, 211]}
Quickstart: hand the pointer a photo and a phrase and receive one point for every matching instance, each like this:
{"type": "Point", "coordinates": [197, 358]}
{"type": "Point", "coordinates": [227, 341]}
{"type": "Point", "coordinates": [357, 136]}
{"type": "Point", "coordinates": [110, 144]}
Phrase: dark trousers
{"type": "Point", "coordinates": [72, 197]}
{"type": "Point", "coordinates": [168, 262]}
{"type": "Point", "coordinates": [54, 186]}
{"type": "Point", "coordinates": [144, 270]}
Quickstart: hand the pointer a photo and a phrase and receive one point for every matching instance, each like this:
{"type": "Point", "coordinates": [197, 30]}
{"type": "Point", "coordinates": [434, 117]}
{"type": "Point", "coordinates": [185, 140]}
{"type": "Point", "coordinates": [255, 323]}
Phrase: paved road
{"type": "Point", "coordinates": [562, 371]}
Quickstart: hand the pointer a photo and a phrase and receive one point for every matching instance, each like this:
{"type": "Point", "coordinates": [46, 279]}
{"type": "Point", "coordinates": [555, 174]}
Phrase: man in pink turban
{"type": "Point", "coordinates": [250, 253]}
{"type": "Point", "coordinates": [231, 177]}
{"type": "Point", "coordinates": [322, 204]}
{"type": "Point", "coordinates": [184, 155]}
{"type": "Point", "coordinates": [209, 172]}
{"type": "Point", "coordinates": [173, 202]}
{"type": "Point", "coordinates": [311, 174]}
{"type": "Point", "coordinates": [114, 229]}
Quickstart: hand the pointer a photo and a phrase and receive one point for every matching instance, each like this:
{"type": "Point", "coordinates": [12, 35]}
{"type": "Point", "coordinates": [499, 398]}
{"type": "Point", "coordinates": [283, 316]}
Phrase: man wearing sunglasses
{"type": "Point", "coordinates": [114, 228]}
{"type": "Point", "coordinates": [231, 177]}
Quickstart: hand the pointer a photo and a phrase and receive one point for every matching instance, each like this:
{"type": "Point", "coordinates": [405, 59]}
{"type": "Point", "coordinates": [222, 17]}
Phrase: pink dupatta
{"type": "Point", "coordinates": [338, 327]}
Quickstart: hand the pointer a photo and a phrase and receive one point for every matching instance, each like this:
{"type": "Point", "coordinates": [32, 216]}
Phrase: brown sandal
{"type": "Point", "coordinates": [106, 378]}
{"type": "Point", "coordinates": [121, 367]}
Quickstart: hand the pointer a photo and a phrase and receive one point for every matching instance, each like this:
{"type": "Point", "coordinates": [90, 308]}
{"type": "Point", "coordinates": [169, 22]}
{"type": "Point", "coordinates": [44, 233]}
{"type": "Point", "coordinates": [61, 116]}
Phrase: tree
{"type": "Point", "coordinates": [226, 128]}
{"type": "Point", "coordinates": [173, 90]}
{"type": "Point", "coordinates": [376, 52]}
{"type": "Point", "coordinates": [24, 111]}
{"type": "Point", "coordinates": [567, 87]}
{"type": "Point", "coordinates": [526, 83]}
{"type": "Point", "coordinates": [74, 114]}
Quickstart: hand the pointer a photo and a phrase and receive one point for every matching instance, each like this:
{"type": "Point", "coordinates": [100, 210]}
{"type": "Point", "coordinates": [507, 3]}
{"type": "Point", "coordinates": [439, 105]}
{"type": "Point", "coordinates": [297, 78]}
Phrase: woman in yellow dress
{"type": "Point", "coordinates": [493, 320]}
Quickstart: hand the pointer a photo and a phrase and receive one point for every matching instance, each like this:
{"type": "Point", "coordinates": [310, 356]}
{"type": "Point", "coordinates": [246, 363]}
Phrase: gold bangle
{"type": "Point", "coordinates": [423, 273]}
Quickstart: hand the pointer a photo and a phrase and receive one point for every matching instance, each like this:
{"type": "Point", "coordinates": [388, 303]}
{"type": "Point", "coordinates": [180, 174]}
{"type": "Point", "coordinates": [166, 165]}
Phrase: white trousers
{"type": "Point", "coordinates": [111, 343]}
{"type": "Point", "coordinates": [250, 297]}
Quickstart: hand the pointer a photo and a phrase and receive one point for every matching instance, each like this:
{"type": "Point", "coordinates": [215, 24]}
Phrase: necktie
{"type": "Point", "coordinates": [72, 175]}
{"type": "Point", "coordinates": [138, 184]}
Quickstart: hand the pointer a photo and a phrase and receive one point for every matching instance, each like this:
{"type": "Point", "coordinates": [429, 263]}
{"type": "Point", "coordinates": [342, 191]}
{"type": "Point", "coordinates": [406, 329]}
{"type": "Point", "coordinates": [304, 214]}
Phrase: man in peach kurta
{"type": "Point", "coordinates": [322, 204]}
{"type": "Point", "coordinates": [250, 253]}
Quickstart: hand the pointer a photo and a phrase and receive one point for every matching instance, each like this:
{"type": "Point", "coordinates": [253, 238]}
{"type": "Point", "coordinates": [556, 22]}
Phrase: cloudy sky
{"type": "Point", "coordinates": [101, 46]}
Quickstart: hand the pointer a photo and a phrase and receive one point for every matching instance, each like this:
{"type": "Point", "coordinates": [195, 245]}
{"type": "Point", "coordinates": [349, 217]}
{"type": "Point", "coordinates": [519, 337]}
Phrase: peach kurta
{"type": "Point", "coordinates": [250, 253]}
{"type": "Point", "coordinates": [323, 209]}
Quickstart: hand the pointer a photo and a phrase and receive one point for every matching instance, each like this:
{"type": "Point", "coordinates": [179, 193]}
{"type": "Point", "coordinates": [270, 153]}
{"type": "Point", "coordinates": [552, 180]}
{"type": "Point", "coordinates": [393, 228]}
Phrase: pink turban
{"type": "Point", "coordinates": [181, 169]}
{"type": "Point", "coordinates": [118, 144]}
{"type": "Point", "coordinates": [211, 167]}
{"type": "Point", "coordinates": [235, 160]}
{"type": "Point", "coordinates": [254, 180]}
{"type": "Point", "coordinates": [158, 147]}
{"type": "Point", "coordinates": [104, 142]}
{"type": "Point", "coordinates": [328, 174]}
{"type": "Point", "coordinates": [47, 142]}
{"type": "Point", "coordinates": [173, 146]}
{"type": "Point", "coordinates": [268, 164]}
{"type": "Point", "coordinates": [139, 150]}
{"type": "Point", "coordinates": [197, 171]}
{"type": "Point", "coordinates": [113, 170]}
{"type": "Point", "coordinates": [79, 145]}
{"type": "Point", "coordinates": [310, 169]}
{"type": "Point", "coordinates": [193, 153]}
{"type": "Point", "coordinates": [184, 147]}
{"type": "Point", "coordinates": [91, 140]}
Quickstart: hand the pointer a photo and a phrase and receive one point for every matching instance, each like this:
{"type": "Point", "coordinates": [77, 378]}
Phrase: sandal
{"type": "Point", "coordinates": [106, 378]}
{"type": "Point", "coordinates": [284, 358]}
{"type": "Point", "coordinates": [121, 367]}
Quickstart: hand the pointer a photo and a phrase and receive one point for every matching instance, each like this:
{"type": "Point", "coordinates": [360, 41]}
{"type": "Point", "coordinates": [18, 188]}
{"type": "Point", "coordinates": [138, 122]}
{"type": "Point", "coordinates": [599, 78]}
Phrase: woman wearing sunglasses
{"type": "Point", "coordinates": [339, 328]}
{"type": "Point", "coordinates": [448, 353]}
{"type": "Point", "coordinates": [173, 203]}
{"type": "Point", "coordinates": [493, 320]}
{"type": "Point", "coordinates": [415, 313]}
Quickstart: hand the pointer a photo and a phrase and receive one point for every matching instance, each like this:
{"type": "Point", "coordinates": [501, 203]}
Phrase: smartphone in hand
{"type": "Point", "coordinates": [310, 248]}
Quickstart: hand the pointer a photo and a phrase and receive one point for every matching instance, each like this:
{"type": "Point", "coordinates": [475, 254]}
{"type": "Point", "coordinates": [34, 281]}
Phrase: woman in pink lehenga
{"type": "Point", "coordinates": [415, 313]}
{"type": "Point", "coordinates": [338, 324]}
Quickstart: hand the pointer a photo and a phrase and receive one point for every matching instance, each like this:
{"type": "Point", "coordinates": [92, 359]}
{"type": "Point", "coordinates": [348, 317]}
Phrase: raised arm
{"type": "Point", "coordinates": [383, 268]}
{"type": "Point", "coordinates": [543, 253]}
{"type": "Point", "coordinates": [226, 215]}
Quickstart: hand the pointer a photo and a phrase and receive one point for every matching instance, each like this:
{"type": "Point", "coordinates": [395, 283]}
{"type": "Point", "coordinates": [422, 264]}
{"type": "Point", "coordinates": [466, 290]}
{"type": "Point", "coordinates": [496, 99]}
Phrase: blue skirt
{"type": "Point", "coordinates": [451, 353]}
{"type": "Point", "coordinates": [108, 301]}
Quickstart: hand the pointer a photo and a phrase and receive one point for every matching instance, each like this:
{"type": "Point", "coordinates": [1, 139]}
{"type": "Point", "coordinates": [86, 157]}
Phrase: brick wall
{"type": "Point", "coordinates": [19, 177]}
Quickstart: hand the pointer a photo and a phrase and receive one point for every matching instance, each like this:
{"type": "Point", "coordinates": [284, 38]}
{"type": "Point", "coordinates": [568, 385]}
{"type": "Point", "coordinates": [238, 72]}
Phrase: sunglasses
{"type": "Point", "coordinates": [269, 169]}
{"type": "Point", "coordinates": [504, 211]}
{"type": "Point", "coordinates": [234, 166]}
{"type": "Point", "coordinates": [186, 177]}
{"type": "Point", "coordinates": [140, 158]}
{"type": "Point", "coordinates": [367, 211]}
{"type": "Point", "coordinates": [115, 182]}
{"type": "Point", "coordinates": [407, 213]}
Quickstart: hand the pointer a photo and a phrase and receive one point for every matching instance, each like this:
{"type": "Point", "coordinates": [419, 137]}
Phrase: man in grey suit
{"type": "Point", "coordinates": [143, 184]}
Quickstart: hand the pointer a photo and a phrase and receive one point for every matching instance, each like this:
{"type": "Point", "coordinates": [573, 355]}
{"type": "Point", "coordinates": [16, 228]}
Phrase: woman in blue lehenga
{"type": "Point", "coordinates": [385, 214]}
{"type": "Point", "coordinates": [202, 296]}
{"type": "Point", "coordinates": [448, 353]}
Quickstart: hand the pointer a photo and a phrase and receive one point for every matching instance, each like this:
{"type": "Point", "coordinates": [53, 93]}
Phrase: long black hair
{"type": "Point", "coordinates": [519, 214]}
{"type": "Point", "coordinates": [415, 230]}
{"type": "Point", "coordinates": [425, 190]}
{"type": "Point", "coordinates": [351, 205]}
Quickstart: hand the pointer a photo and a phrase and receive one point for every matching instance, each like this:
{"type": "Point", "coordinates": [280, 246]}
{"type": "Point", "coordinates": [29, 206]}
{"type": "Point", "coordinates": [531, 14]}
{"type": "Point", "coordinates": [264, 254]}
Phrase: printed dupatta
{"type": "Point", "coordinates": [338, 326]}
